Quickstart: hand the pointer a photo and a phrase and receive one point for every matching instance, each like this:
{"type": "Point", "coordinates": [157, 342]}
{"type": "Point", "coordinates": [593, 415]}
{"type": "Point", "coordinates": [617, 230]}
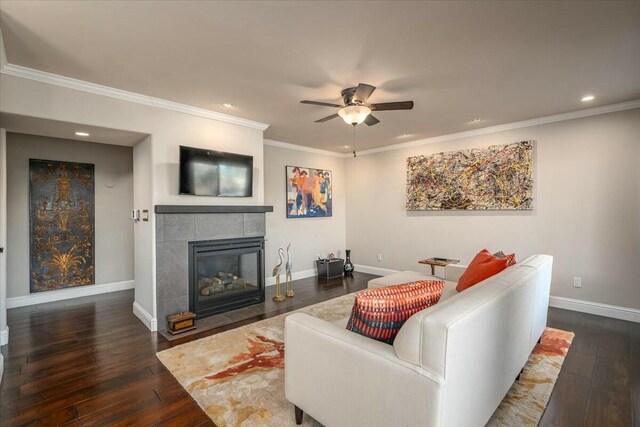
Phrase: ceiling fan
{"type": "Point", "coordinates": [356, 109]}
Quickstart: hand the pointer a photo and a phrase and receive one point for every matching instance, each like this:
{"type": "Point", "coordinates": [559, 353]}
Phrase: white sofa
{"type": "Point", "coordinates": [450, 365]}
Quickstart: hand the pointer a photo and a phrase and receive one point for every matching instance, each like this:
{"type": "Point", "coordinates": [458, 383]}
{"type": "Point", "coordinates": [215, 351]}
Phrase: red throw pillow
{"type": "Point", "coordinates": [483, 266]}
{"type": "Point", "coordinates": [380, 313]}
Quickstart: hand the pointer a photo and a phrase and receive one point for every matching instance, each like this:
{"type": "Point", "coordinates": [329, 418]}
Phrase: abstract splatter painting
{"type": "Point", "coordinates": [499, 177]}
{"type": "Point", "coordinates": [61, 215]}
{"type": "Point", "coordinates": [308, 192]}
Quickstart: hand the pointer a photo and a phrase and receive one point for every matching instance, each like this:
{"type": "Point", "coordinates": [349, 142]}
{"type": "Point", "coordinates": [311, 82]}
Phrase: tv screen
{"type": "Point", "coordinates": [215, 173]}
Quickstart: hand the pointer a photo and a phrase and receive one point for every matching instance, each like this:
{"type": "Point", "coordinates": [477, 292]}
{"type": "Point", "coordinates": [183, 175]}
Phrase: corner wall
{"type": "Point", "coordinates": [4, 329]}
{"type": "Point", "coordinates": [308, 236]}
{"type": "Point", "coordinates": [587, 209]}
{"type": "Point", "coordinates": [144, 306]}
{"type": "Point", "coordinates": [168, 129]}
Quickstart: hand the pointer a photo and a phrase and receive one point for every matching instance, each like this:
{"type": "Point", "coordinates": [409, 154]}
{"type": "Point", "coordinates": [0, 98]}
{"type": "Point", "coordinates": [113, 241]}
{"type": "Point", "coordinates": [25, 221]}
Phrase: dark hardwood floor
{"type": "Point", "coordinates": [599, 384]}
{"type": "Point", "coordinates": [89, 361]}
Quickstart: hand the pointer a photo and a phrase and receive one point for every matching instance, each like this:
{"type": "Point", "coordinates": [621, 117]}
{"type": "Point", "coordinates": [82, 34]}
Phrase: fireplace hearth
{"type": "Point", "coordinates": [225, 274]}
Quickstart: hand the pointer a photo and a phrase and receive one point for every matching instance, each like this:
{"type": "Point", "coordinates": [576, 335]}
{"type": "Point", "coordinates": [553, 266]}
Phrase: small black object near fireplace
{"type": "Point", "coordinates": [225, 275]}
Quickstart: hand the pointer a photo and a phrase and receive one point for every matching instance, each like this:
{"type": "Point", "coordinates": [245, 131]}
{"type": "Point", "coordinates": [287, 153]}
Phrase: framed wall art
{"type": "Point", "coordinates": [308, 192]}
{"type": "Point", "coordinates": [499, 177]}
{"type": "Point", "coordinates": [61, 224]}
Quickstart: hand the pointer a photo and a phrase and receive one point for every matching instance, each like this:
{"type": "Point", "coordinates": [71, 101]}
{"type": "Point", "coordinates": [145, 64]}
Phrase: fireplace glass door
{"type": "Point", "coordinates": [225, 275]}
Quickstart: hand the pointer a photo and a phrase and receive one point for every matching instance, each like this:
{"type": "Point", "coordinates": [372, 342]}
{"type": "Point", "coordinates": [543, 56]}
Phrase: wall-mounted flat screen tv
{"type": "Point", "coordinates": [215, 173]}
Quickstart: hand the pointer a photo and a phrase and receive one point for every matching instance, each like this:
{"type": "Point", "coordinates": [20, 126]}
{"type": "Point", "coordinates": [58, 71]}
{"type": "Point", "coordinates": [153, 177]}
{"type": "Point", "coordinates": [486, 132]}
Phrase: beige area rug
{"type": "Point", "coordinates": [237, 376]}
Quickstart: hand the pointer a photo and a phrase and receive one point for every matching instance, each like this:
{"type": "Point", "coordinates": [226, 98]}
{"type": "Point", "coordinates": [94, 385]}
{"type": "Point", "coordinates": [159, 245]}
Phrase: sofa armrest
{"type": "Point", "coordinates": [452, 272]}
{"type": "Point", "coordinates": [336, 376]}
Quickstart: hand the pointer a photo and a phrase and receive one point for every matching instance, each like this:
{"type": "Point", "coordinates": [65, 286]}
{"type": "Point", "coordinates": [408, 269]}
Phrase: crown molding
{"type": "Point", "coordinates": [57, 80]}
{"type": "Point", "coordinates": [96, 89]}
{"type": "Point", "coordinates": [587, 112]}
{"type": "Point", "coordinates": [296, 147]}
{"type": "Point", "coordinates": [612, 108]}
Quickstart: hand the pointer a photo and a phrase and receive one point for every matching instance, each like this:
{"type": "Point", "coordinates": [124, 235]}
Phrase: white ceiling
{"type": "Point", "coordinates": [56, 129]}
{"type": "Point", "coordinates": [499, 61]}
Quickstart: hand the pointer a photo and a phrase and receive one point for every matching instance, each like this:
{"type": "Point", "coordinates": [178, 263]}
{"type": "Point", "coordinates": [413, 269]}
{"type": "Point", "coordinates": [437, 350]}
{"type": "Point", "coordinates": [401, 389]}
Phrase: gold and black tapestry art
{"type": "Point", "coordinates": [61, 217]}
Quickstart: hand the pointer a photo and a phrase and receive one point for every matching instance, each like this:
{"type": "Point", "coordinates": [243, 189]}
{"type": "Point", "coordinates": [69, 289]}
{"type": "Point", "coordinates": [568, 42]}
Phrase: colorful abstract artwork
{"type": "Point", "coordinates": [499, 177]}
{"type": "Point", "coordinates": [61, 216]}
{"type": "Point", "coordinates": [308, 192]}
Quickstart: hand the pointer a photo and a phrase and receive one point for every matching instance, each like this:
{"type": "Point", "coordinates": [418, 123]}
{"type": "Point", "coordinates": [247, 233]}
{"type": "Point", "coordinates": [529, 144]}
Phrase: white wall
{"type": "Point", "coordinates": [587, 209]}
{"type": "Point", "coordinates": [113, 226]}
{"type": "Point", "coordinates": [168, 130]}
{"type": "Point", "coordinates": [308, 236]}
{"type": "Point", "coordinates": [143, 231]}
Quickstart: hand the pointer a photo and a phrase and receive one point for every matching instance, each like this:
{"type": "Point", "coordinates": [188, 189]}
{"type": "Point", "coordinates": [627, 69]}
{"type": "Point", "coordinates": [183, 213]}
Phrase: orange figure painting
{"type": "Point", "coordinates": [308, 192]}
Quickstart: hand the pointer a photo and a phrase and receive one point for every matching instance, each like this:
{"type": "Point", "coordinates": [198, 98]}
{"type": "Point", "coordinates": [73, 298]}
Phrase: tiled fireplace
{"type": "Point", "coordinates": [225, 274]}
{"type": "Point", "coordinates": [228, 244]}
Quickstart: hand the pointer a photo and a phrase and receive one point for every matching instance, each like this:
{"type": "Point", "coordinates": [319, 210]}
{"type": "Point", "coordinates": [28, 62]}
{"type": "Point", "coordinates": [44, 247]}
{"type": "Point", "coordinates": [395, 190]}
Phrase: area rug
{"type": "Point", "coordinates": [237, 377]}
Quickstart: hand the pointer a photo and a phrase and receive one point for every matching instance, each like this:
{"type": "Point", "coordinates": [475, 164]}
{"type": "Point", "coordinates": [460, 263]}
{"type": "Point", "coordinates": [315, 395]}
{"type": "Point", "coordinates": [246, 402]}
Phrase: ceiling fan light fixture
{"type": "Point", "coordinates": [354, 114]}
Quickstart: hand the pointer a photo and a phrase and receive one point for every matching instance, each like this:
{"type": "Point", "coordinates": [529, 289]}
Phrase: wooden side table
{"type": "Point", "coordinates": [439, 262]}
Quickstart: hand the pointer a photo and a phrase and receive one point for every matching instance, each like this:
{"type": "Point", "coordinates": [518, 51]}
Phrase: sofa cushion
{"type": "Point", "coordinates": [380, 313]}
{"type": "Point", "coordinates": [481, 267]}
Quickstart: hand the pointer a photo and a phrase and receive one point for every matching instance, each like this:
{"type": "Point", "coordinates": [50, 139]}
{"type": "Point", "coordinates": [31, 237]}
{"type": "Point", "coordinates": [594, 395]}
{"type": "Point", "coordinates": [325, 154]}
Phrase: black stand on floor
{"type": "Point", "coordinates": [299, 414]}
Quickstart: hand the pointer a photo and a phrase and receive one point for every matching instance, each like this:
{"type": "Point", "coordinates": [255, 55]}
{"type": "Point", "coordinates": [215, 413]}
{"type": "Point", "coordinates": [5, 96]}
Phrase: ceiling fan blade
{"type": "Point", "coordinates": [370, 120]}
{"type": "Point", "coordinates": [387, 106]}
{"type": "Point", "coordinates": [363, 92]}
{"type": "Point", "coordinates": [324, 104]}
{"type": "Point", "coordinates": [326, 119]}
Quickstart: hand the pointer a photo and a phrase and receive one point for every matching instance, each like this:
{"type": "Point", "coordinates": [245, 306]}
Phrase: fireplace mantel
{"type": "Point", "coordinates": [191, 209]}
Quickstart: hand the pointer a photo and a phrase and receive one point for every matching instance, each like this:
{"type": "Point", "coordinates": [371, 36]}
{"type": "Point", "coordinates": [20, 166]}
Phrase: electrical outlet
{"type": "Point", "coordinates": [577, 282]}
{"type": "Point", "coordinates": [379, 256]}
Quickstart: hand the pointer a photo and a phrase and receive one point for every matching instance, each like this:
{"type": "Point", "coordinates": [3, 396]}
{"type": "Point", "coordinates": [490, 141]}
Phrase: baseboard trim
{"type": "Point", "coordinates": [64, 294]}
{"type": "Point", "coordinates": [297, 275]}
{"type": "Point", "coordinates": [149, 321]}
{"type": "Point", "coordinates": [4, 336]}
{"type": "Point", "coordinates": [374, 270]}
{"type": "Point", "coordinates": [606, 310]}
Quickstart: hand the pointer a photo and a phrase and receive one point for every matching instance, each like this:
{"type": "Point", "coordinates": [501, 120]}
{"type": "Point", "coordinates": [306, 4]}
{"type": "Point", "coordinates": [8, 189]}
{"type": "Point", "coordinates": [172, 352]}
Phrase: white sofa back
{"type": "Point", "coordinates": [477, 342]}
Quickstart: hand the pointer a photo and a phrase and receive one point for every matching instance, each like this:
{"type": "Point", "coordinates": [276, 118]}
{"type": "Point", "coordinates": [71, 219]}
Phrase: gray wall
{"type": "Point", "coordinates": [587, 209]}
{"type": "Point", "coordinates": [114, 229]}
{"type": "Point", "coordinates": [308, 236]}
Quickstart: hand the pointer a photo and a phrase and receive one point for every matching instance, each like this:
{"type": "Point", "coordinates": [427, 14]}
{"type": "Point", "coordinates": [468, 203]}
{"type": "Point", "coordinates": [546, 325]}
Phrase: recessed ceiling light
{"type": "Point", "coordinates": [82, 133]}
{"type": "Point", "coordinates": [404, 135]}
{"type": "Point", "coordinates": [474, 121]}
{"type": "Point", "coordinates": [588, 98]}
{"type": "Point", "coordinates": [346, 146]}
{"type": "Point", "coordinates": [228, 105]}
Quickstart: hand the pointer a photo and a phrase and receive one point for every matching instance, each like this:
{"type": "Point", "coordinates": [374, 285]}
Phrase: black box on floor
{"type": "Point", "coordinates": [330, 268]}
